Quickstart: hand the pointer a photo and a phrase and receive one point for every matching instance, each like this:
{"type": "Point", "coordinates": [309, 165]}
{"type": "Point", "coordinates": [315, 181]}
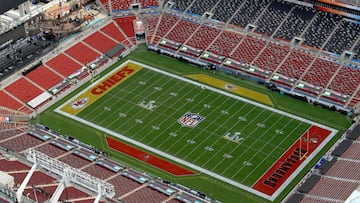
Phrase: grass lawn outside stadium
{"type": "Point", "coordinates": [234, 139]}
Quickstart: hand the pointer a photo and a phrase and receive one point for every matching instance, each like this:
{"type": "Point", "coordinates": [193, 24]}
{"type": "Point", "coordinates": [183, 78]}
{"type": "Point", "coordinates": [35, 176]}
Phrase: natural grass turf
{"type": "Point", "coordinates": [261, 147]}
{"type": "Point", "coordinates": [216, 189]}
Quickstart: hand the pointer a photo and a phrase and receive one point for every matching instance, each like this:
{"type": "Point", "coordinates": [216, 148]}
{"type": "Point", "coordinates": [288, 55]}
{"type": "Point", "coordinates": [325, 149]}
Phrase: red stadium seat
{"type": "Point", "coordinates": [82, 53]}
{"type": "Point", "coordinates": [23, 90]}
{"type": "Point", "coordinates": [44, 77]}
{"type": "Point", "coordinates": [63, 65]}
{"type": "Point", "coordinates": [203, 37]}
{"type": "Point", "coordinates": [320, 72]}
{"type": "Point", "coordinates": [248, 49]}
{"type": "Point", "coordinates": [295, 64]}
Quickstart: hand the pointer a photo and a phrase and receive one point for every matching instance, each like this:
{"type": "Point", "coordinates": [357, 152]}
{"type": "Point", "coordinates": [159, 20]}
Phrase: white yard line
{"type": "Point", "coordinates": [111, 96]}
{"type": "Point", "coordinates": [248, 147]}
{"type": "Point", "coordinates": [221, 137]}
{"type": "Point", "coordinates": [149, 94]}
{"type": "Point", "coordinates": [275, 148]}
{"type": "Point", "coordinates": [176, 123]}
{"type": "Point", "coordinates": [188, 164]}
{"type": "Point", "coordinates": [221, 150]}
{"type": "Point", "coordinates": [211, 135]}
{"type": "Point", "coordinates": [211, 123]}
{"type": "Point", "coordinates": [171, 115]}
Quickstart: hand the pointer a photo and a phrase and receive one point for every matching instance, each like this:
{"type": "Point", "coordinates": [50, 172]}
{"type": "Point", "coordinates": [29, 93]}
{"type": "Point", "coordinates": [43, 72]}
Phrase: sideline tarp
{"type": "Point", "coordinates": [39, 99]}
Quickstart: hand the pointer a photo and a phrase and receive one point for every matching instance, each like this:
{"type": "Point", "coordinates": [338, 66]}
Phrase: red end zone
{"type": "Point", "coordinates": [150, 159]}
{"type": "Point", "coordinates": [290, 160]}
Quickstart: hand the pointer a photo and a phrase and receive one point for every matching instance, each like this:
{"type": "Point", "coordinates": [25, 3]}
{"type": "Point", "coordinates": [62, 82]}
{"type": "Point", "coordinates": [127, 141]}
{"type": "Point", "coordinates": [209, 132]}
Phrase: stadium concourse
{"type": "Point", "coordinates": [309, 49]}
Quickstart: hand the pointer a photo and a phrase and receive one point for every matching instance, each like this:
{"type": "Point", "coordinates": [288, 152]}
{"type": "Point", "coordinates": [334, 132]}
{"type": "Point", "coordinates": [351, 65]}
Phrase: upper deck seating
{"type": "Point", "coordinates": [74, 161]}
{"type": "Point", "coordinates": [345, 169]}
{"type": "Point", "coordinates": [123, 185]}
{"type": "Point", "coordinates": [200, 7]}
{"type": "Point", "coordinates": [320, 29]}
{"type": "Point", "coordinates": [224, 11]}
{"type": "Point", "coordinates": [51, 150]}
{"type": "Point", "coordinates": [12, 166]}
{"type": "Point", "coordinates": [149, 3]}
{"type": "Point", "coordinates": [333, 188]}
{"type": "Point", "coordinates": [118, 5]}
{"type": "Point", "coordinates": [272, 17]}
{"type": "Point", "coordinates": [98, 171]}
{"type": "Point", "coordinates": [127, 25]}
{"type": "Point", "coordinates": [181, 5]}
{"type": "Point", "coordinates": [37, 178]}
{"type": "Point", "coordinates": [353, 151]}
{"type": "Point", "coordinates": [150, 23]}
{"type": "Point", "coordinates": [248, 13]}
{"type": "Point", "coordinates": [355, 100]}
{"type": "Point", "coordinates": [356, 51]}
{"type": "Point", "coordinates": [344, 37]}
{"type": "Point", "coordinates": [296, 23]}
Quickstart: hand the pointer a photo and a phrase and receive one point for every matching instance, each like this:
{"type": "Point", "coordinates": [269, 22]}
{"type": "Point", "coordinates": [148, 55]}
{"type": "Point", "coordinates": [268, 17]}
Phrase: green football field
{"type": "Point", "coordinates": [220, 132]}
{"type": "Point", "coordinates": [234, 139]}
{"type": "Point", "coordinates": [264, 135]}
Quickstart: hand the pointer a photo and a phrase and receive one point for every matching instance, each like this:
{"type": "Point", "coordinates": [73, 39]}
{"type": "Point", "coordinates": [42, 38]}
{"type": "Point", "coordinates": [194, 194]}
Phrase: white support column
{"type": "Point", "coordinates": [59, 190]}
{"type": "Point", "coordinates": [24, 183]}
{"type": "Point", "coordinates": [27, 7]}
{"type": "Point", "coordinates": [97, 199]}
{"type": "Point", "coordinates": [21, 10]}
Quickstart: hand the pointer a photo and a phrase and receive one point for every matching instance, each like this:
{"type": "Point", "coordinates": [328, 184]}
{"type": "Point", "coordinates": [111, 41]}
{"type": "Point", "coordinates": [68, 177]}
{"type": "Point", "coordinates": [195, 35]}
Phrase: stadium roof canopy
{"type": "Point", "coordinates": [6, 5]}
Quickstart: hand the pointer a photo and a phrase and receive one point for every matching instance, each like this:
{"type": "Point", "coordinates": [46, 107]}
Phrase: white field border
{"type": "Point", "coordinates": [193, 166]}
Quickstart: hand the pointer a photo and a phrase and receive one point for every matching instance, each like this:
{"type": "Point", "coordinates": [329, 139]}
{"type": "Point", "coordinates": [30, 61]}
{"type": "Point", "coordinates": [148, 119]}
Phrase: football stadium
{"type": "Point", "coordinates": [170, 101]}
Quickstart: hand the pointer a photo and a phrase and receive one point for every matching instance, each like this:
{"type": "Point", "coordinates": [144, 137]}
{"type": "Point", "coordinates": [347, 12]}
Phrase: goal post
{"type": "Point", "coordinates": [307, 141]}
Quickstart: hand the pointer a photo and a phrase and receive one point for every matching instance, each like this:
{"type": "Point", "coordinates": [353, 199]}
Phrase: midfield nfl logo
{"type": "Point", "coordinates": [190, 120]}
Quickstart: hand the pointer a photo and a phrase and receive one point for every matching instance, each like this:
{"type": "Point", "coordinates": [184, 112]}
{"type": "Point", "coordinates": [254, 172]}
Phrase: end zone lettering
{"type": "Point", "coordinates": [100, 88]}
{"type": "Point", "coordinates": [112, 80]}
{"type": "Point", "coordinates": [284, 167]}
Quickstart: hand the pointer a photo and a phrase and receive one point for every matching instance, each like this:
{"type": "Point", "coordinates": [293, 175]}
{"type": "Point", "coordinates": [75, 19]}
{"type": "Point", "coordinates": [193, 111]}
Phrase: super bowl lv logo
{"type": "Point", "coordinates": [190, 120]}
